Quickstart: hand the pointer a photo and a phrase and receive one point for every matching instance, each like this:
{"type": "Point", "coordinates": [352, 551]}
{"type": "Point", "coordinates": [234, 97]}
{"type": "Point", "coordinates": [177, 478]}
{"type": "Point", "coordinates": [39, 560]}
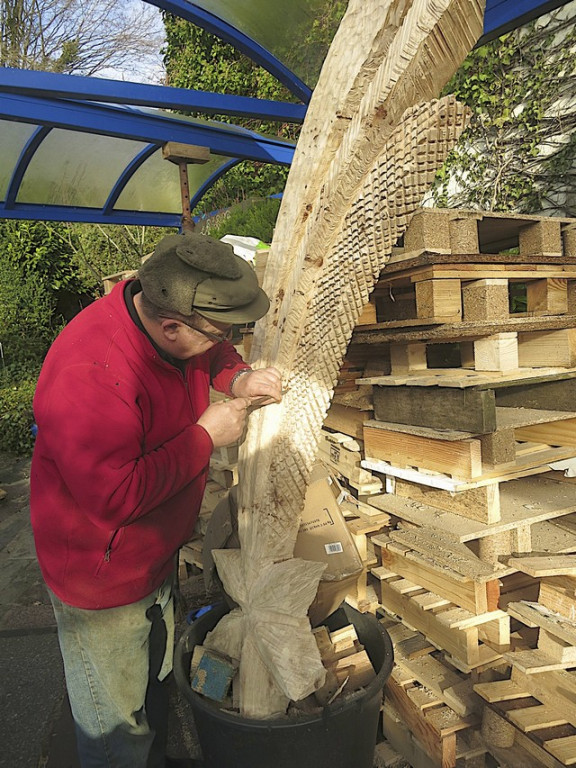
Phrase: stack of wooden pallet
{"type": "Point", "coordinates": [468, 398]}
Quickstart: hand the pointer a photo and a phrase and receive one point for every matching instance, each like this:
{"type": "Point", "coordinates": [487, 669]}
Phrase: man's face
{"type": "Point", "coordinates": [190, 339]}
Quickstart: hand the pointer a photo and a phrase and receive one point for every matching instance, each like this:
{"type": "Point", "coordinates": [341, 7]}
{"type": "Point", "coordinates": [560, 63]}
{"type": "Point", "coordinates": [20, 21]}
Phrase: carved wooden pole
{"type": "Point", "coordinates": [368, 151]}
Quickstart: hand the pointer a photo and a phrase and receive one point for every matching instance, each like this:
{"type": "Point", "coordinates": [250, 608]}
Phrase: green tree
{"type": "Point", "coordinates": [98, 251]}
{"type": "Point", "coordinates": [254, 218]}
{"type": "Point", "coordinates": [519, 153]}
{"type": "Point", "coordinates": [36, 281]}
{"type": "Point", "coordinates": [78, 36]}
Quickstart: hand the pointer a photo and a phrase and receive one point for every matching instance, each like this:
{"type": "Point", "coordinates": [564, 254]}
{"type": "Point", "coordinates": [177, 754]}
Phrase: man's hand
{"type": "Point", "coordinates": [225, 421]}
{"type": "Point", "coordinates": [265, 383]}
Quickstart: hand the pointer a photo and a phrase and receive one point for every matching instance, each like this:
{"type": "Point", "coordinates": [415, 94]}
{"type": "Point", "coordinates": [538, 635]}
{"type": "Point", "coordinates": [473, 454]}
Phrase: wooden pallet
{"type": "Point", "coordinates": [448, 293]}
{"type": "Point", "coordinates": [434, 232]}
{"type": "Point", "coordinates": [461, 581]}
{"type": "Point", "coordinates": [416, 656]}
{"type": "Point", "coordinates": [506, 351]}
{"type": "Point", "coordinates": [460, 378]}
{"type": "Point", "coordinates": [469, 403]}
{"type": "Point", "coordinates": [544, 730]}
{"type": "Point", "coordinates": [521, 438]}
{"type": "Point", "coordinates": [469, 640]}
{"type": "Point", "coordinates": [433, 724]}
{"type": "Point", "coordinates": [535, 515]}
{"type": "Point", "coordinates": [531, 459]}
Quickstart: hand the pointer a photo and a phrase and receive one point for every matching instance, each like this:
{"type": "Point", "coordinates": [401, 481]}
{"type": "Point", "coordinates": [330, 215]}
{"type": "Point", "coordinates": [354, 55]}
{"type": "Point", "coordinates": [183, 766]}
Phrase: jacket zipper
{"type": "Point", "coordinates": [108, 552]}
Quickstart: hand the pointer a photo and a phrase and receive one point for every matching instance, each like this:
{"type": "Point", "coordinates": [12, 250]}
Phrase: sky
{"type": "Point", "coordinates": [148, 69]}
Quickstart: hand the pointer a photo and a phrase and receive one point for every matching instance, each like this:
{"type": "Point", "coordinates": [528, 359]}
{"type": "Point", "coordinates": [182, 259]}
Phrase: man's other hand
{"type": "Point", "coordinates": [264, 383]}
{"type": "Point", "coordinates": [225, 421]}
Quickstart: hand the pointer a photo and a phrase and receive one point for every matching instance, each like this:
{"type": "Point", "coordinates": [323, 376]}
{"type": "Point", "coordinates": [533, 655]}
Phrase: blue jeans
{"type": "Point", "coordinates": [116, 663]}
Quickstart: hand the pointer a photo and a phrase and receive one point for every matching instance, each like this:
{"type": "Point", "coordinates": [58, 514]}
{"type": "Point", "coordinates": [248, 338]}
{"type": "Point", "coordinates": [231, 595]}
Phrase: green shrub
{"type": "Point", "coordinates": [17, 385]}
{"type": "Point", "coordinates": [250, 219]}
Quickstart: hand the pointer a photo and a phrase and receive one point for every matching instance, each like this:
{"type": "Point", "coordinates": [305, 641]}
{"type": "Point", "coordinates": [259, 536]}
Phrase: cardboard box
{"type": "Point", "coordinates": [324, 537]}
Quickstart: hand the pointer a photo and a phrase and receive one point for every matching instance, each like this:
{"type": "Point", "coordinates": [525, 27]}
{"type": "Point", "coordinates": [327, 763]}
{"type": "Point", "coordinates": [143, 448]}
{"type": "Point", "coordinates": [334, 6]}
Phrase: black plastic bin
{"type": "Point", "coordinates": [343, 736]}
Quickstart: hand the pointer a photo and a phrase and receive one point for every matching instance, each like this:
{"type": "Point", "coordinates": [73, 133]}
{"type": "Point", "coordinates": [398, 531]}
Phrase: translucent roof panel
{"type": "Point", "coordinates": [13, 139]}
{"type": "Point", "coordinates": [72, 168]}
{"type": "Point", "coordinates": [156, 184]}
{"type": "Point", "coordinates": [297, 32]}
{"type": "Point", "coordinates": [88, 161]}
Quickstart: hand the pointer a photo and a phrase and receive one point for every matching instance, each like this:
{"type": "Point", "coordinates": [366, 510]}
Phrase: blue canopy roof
{"type": "Point", "coordinates": [88, 149]}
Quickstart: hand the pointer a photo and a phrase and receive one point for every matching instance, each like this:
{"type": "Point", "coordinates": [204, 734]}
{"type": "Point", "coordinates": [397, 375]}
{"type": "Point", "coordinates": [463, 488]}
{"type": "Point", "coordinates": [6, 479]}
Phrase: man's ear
{"type": "Point", "coordinates": [170, 329]}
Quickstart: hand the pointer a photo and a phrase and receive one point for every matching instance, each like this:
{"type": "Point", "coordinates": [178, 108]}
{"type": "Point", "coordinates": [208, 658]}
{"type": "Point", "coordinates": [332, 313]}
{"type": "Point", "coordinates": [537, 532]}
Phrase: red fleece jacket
{"type": "Point", "coordinates": [119, 466]}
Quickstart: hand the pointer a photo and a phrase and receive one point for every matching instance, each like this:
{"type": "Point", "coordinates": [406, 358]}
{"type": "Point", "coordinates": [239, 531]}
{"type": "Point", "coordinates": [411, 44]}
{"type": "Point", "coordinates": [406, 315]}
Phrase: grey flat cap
{"type": "Point", "coordinates": [195, 272]}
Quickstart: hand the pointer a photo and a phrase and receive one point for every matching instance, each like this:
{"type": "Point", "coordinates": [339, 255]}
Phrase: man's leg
{"type": "Point", "coordinates": [116, 662]}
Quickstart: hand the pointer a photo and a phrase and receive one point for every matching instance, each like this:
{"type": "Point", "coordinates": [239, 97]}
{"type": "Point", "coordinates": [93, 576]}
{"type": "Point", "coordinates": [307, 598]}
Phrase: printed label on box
{"type": "Point", "coordinates": [334, 549]}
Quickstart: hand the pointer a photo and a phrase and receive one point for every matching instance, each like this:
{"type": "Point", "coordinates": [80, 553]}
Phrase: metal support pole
{"type": "Point", "coordinates": [187, 222]}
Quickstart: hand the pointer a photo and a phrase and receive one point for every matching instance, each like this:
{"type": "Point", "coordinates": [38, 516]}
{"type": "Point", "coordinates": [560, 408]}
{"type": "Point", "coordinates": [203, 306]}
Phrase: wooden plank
{"type": "Point", "coordinates": [345, 419]}
{"type": "Point", "coordinates": [461, 379]}
{"type": "Point", "coordinates": [558, 594]}
{"type": "Point", "coordinates": [177, 152]}
{"type": "Point", "coordinates": [547, 348]}
{"type": "Point", "coordinates": [563, 749]}
{"type": "Point", "coordinates": [553, 433]}
{"type": "Point", "coordinates": [531, 459]}
{"type": "Point", "coordinates": [450, 331]}
{"type": "Point", "coordinates": [557, 395]}
{"type": "Point", "coordinates": [533, 662]}
{"type": "Point", "coordinates": [526, 417]}
{"type": "Point", "coordinates": [556, 689]}
{"type": "Point", "coordinates": [535, 718]}
{"type": "Point", "coordinates": [452, 688]}
{"type": "Point", "coordinates": [461, 458]}
{"type": "Point", "coordinates": [428, 432]}
{"type": "Point", "coordinates": [499, 690]}
{"type": "Point", "coordinates": [481, 504]}
{"type": "Point", "coordinates": [466, 411]}
{"type": "Point", "coordinates": [445, 551]}
{"type": "Point", "coordinates": [531, 617]}
{"type": "Point", "coordinates": [492, 271]}
{"type": "Point", "coordinates": [545, 566]}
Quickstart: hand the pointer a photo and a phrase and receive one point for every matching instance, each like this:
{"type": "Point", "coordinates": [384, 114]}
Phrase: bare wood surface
{"type": "Point", "coordinates": [538, 567]}
{"type": "Point", "coordinates": [527, 501]}
{"type": "Point", "coordinates": [364, 159]}
{"type": "Point", "coordinates": [462, 378]}
{"type": "Point", "coordinates": [531, 459]}
{"type": "Point", "coordinates": [442, 330]}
